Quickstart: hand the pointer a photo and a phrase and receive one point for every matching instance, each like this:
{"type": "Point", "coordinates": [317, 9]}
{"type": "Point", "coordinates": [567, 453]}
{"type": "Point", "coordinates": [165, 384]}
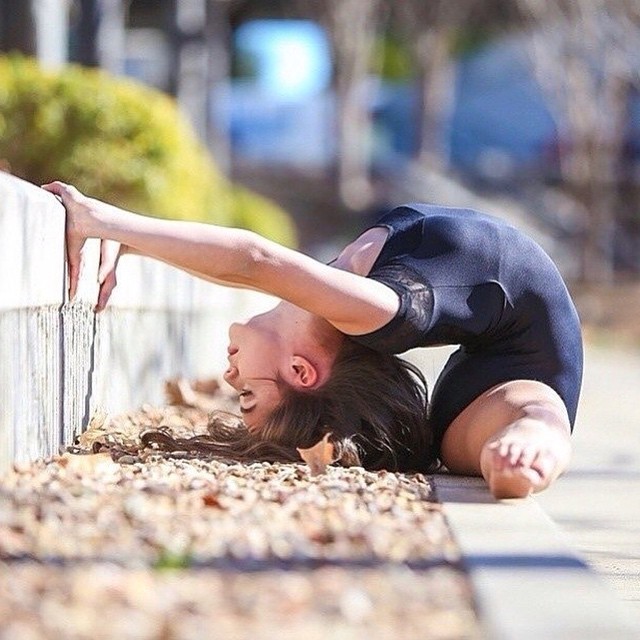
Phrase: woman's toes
{"type": "Point", "coordinates": [544, 463]}
{"type": "Point", "coordinates": [515, 453]}
{"type": "Point", "coordinates": [520, 461]}
{"type": "Point", "coordinates": [513, 470]}
{"type": "Point", "coordinates": [516, 483]}
{"type": "Point", "coordinates": [527, 456]}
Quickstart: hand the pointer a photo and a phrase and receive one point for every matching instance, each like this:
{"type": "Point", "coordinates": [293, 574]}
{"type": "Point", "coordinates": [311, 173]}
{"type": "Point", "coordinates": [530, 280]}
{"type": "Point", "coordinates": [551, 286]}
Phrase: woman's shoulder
{"type": "Point", "coordinates": [360, 255]}
{"type": "Point", "coordinates": [414, 219]}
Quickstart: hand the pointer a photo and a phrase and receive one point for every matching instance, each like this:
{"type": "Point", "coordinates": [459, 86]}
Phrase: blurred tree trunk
{"type": "Point", "coordinates": [352, 26]}
{"type": "Point", "coordinates": [582, 56]}
{"type": "Point", "coordinates": [52, 32]}
{"type": "Point", "coordinates": [190, 61]}
{"type": "Point", "coordinates": [431, 28]}
{"type": "Point", "coordinates": [87, 49]}
{"type": "Point", "coordinates": [200, 36]}
{"type": "Point", "coordinates": [218, 37]}
{"type": "Point", "coordinates": [17, 27]}
{"type": "Point", "coordinates": [110, 35]}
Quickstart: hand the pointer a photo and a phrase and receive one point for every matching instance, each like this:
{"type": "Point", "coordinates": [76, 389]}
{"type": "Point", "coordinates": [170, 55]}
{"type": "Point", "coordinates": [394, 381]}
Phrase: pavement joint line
{"type": "Point", "coordinates": [529, 584]}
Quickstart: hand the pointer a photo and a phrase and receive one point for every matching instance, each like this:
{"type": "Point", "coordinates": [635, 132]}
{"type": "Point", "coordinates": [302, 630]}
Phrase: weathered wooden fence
{"type": "Point", "coordinates": [59, 361]}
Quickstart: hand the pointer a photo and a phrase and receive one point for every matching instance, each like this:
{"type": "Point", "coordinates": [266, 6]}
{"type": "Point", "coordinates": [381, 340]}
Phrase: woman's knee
{"type": "Point", "coordinates": [494, 411]}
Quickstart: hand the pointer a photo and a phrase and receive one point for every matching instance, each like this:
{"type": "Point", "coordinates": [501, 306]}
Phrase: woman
{"type": "Point", "coordinates": [505, 403]}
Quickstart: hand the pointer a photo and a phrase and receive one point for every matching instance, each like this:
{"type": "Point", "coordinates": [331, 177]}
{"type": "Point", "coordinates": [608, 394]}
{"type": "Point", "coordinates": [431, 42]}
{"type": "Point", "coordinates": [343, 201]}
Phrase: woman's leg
{"type": "Point", "coordinates": [516, 435]}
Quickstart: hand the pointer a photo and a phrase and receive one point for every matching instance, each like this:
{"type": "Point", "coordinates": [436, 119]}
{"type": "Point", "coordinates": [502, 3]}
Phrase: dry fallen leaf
{"type": "Point", "coordinates": [183, 392]}
{"type": "Point", "coordinates": [319, 456]}
{"type": "Point", "coordinates": [86, 464]}
{"type": "Point", "coordinates": [212, 500]}
{"type": "Point", "coordinates": [99, 425]}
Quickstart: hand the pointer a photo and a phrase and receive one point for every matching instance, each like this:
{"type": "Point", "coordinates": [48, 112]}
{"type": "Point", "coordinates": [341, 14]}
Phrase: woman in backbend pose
{"type": "Point", "coordinates": [321, 361]}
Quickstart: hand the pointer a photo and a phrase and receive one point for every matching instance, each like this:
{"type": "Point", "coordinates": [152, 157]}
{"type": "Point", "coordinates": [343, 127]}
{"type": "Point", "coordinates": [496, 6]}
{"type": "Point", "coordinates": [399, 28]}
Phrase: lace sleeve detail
{"type": "Point", "coordinates": [409, 326]}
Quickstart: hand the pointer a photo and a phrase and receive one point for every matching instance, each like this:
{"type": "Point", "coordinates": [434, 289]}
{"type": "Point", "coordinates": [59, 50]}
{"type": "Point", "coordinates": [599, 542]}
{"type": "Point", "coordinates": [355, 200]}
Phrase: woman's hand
{"type": "Point", "coordinates": [78, 208]}
{"type": "Point", "coordinates": [110, 252]}
{"type": "Point", "coordinates": [79, 215]}
{"type": "Point", "coordinates": [352, 303]}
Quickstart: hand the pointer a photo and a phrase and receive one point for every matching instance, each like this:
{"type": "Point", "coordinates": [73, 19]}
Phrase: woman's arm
{"type": "Point", "coordinates": [236, 257]}
{"type": "Point", "coordinates": [130, 251]}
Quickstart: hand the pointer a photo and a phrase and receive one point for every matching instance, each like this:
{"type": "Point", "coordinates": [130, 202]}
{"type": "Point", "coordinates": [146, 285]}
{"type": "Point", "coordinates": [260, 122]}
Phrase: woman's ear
{"type": "Point", "coordinates": [305, 374]}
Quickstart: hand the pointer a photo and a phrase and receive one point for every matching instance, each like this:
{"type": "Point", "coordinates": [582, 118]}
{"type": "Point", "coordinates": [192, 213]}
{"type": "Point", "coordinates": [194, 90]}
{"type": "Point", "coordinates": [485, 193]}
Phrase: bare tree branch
{"type": "Point", "coordinates": [352, 26]}
{"type": "Point", "coordinates": [585, 56]}
{"type": "Point", "coordinates": [431, 27]}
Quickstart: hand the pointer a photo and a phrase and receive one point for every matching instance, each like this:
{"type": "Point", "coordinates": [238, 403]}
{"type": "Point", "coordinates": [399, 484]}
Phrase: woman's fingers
{"type": "Point", "coordinates": [61, 189]}
{"type": "Point", "coordinates": [72, 200]}
{"type": "Point", "coordinates": [104, 293]}
{"type": "Point", "coordinates": [75, 203]}
{"type": "Point", "coordinates": [74, 246]}
{"type": "Point", "coordinates": [109, 255]}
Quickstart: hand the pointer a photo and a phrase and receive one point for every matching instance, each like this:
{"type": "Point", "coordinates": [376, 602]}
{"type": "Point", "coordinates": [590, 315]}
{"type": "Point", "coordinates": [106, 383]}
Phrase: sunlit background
{"type": "Point", "coordinates": [304, 120]}
{"type": "Point", "coordinates": [337, 109]}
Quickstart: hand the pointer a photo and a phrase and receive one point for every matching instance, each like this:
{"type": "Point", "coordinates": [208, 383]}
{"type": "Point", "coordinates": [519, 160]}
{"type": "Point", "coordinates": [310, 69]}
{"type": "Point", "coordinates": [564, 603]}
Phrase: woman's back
{"type": "Point", "coordinates": [467, 278]}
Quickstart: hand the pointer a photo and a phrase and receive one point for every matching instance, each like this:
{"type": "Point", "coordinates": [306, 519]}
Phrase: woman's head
{"type": "Point", "coordinates": [298, 378]}
{"type": "Point", "coordinates": [373, 404]}
{"type": "Point", "coordinates": [281, 349]}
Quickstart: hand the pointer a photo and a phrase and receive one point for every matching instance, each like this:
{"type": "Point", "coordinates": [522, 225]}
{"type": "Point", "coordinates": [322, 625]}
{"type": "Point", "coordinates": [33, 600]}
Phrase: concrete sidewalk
{"type": "Point", "coordinates": [597, 503]}
{"type": "Point", "coordinates": [528, 581]}
{"type": "Point", "coordinates": [588, 522]}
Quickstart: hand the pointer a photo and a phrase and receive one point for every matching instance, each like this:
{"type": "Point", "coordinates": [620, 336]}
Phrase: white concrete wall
{"type": "Point", "coordinates": [59, 361]}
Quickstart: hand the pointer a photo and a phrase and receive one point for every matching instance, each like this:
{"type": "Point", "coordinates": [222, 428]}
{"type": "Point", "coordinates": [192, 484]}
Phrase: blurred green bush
{"type": "Point", "coordinates": [121, 142]}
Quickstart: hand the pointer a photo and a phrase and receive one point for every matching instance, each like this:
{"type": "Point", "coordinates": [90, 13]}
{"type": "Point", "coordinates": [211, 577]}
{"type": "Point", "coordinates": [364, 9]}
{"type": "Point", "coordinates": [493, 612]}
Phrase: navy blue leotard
{"type": "Point", "coordinates": [469, 279]}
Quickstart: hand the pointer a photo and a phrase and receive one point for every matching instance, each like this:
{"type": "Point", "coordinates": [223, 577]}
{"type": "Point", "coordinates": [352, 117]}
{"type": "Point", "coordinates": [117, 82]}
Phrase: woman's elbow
{"type": "Point", "coordinates": [254, 258]}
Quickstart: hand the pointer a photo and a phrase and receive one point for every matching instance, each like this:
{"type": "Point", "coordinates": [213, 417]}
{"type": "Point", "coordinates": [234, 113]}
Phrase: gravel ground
{"type": "Point", "coordinates": [128, 543]}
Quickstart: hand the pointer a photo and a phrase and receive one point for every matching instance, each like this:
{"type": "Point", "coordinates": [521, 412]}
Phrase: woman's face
{"type": "Point", "coordinates": [279, 345]}
{"type": "Point", "coordinates": [255, 357]}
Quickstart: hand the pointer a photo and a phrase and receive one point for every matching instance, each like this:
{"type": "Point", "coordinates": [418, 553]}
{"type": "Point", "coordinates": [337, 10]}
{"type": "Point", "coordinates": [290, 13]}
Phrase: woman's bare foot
{"type": "Point", "coordinates": [524, 458]}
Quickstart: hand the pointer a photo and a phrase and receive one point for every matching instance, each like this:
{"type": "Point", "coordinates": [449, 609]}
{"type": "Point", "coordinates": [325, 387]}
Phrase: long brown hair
{"type": "Point", "coordinates": [374, 405]}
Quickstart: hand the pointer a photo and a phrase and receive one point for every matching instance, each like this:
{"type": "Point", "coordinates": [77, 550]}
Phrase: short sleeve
{"type": "Point", "coordinates": [408, 327]}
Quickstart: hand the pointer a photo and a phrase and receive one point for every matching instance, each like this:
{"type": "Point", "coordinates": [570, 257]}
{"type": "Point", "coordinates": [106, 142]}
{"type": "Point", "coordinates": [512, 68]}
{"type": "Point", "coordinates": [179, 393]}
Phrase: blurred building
{"type": "Point", "coordinates": [255, 79]}
{"type": "Point", "coordinates": [278, 108]}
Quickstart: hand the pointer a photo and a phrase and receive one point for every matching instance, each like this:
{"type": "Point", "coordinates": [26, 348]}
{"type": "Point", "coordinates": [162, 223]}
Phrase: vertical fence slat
{"type": "Point", "coordinates": [59, 362]}
{"type": "Point", "coordinates": [31, 294]}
